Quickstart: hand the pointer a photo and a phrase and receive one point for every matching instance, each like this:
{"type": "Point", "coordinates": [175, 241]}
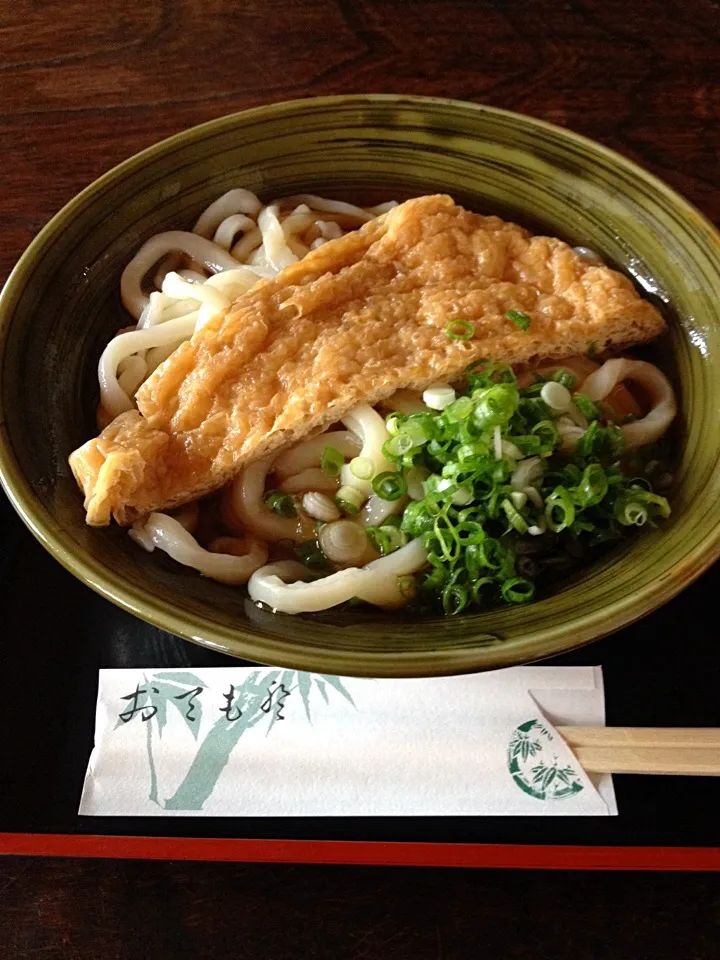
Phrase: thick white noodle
{"type": "Point", "coordinates": [404, 401]}
{"type": "Point", "coordinates": [113, 397]}
{"type": "Point", "coordinates": [156, 356]}
{"type": "Point", "coordinates": [382, 207]}
{"type": "Point", "coordinates": [376, 511]}
{"type": "Point", "coordinates": [326, 206]}
{"type": "Point", "coordinates": [275, 247]}
{"type": "Point", "coordinates": [168, 534]}
{"type": "Point", "coordinates": [329, 229]}
{"type": "Point", "coordinates": [281, 585]}
{"type": "Point", "coordinates": [367, 423]}
{"type": "Point", "coordinates": [228, 230]}
{"type": "Point", "coordinates": [233, 202]}
{"type": "Point", "coordinates": [205, 252]}
{"type": "Point", "coordinates": [246, 499]}
{"type": "Point", "coordinates": [212, 301]}
{"type": "Point", "coordinates": [308, 453]}
{"type": "Point", "coordinates": [154, 310]}
{"type": "Point", "coordinates": [307, 481]}
{"type": "Point", "coordinates": [664, 406]}
{"type": "Point", "coordinates": [131, 372]}
{"type": "Point", "coordinates": [192, 276]}
{"type": "Point", "coordinates": [247, 244]}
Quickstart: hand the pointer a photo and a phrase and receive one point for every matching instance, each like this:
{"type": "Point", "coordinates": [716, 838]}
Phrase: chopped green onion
{"type": "Point", "coordinates": [520, 319]}
{"type": "Point", "coordinates": [559, 509]}
{"type": "Point", "coordinates": [281, 503]}
{"type": "Point", "coordinates": [634, 506]}
{"type": "Point", "coordinates": [470, 531]}
{"type": "Point", "coordinates": [389, 485]}
{"type": "Point", "coordinates": [518, 590]}
{"type": "Point", "coordinates": [460, 409]}
{"type": "Point", "coordinates": [438, 396]}
{"type": "Point", "coordinates": [349, 500]}
{"type": "Point", "coordinates": [386, 539]}
{"type": "Point", "coordinates": [486, 584]}
{"type": "Point", "coordinates": [556, 396]}
{"type": "Point", "coordinates": [477, 516]}
{"type": "Point", "coordinates": [416, 519]}
{"type": "Point", "coordinates": [394, 536]}
{"type": "Point", "coordinates": [592, 350]}
{"type": "Point", "coordinates": [312, 556]}
{"type": "Point", "coordinates": [407, 585]}
{"type": "Point", "coordinates": [396, 447]}
{"type": "Point", "coordinates": [332, 462]}
{"type": "Point", "coordinates": [479, 373]}
{"type": "Point", "coordinates": [587, 408]}
{"type": "Point", "coordinates": [592, 486]}
{"type": "Point", "coordinates": [454, 599]}
{"type": "Point", "coordinates": [515, 518]}
{"type": "Point", "coordinates": [460, 330]}
{"type": "Point", "coordinates": [362, 468]}
{"type": "Point", "coordinates": [548, 433]}
{"type": "Point", "coordinates": [377, 539]}
{"type": "Point", "coordinates": [495, 405]}
{"type": "Point", "coordinates": [565, 378]}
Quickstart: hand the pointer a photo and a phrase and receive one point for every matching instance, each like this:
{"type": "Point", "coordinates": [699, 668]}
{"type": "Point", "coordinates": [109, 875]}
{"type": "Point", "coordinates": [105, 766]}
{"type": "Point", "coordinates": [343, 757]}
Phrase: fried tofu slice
{"type": "Point", "coordinates": [354, 321]}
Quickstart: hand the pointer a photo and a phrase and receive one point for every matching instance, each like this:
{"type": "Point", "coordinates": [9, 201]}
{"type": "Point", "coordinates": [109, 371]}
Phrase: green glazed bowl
{"type": "Point", "coordinates": [61, 305]}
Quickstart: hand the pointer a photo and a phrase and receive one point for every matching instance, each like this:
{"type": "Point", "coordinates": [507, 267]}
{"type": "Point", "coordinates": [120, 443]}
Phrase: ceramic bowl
{"type": "Point", "coordinates": [61, 305]}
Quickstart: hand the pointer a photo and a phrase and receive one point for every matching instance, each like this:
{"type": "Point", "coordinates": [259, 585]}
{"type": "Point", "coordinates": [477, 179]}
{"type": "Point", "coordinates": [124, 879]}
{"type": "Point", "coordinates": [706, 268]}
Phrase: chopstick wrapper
{"type": "Point", "coordinates": [264, 742]}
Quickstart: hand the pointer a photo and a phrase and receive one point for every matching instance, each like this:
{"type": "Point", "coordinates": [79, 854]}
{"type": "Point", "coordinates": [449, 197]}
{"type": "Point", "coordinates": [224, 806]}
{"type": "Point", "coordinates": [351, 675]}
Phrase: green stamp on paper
{"type": "Point", "coordinates": [535, 766]}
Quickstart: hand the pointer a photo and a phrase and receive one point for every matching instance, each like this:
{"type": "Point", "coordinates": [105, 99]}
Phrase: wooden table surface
{"type": "Point", "coordinates": [83, 85]}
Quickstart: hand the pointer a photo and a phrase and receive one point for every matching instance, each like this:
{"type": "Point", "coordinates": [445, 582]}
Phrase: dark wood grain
{"type": "Point", "coordinates": [85, 84]}
{"type": "Point", "coordinates": [72, 910]}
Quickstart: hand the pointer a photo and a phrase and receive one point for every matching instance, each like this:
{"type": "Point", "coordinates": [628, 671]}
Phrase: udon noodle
{"type": "Point", "coordinates": [318, 499]}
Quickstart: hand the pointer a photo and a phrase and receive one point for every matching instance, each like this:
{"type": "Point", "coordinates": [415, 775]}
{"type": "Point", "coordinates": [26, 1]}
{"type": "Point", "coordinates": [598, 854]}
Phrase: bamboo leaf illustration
{"type": "Point", "coordinates": [304, 682]}
{"type": "Point", "coordinates": [539, 772]}
{"type": "Point", "coordinates": [214, 752]}
{"type": "Point", "coordinates": [336, 684]}
{"type": "Point", "coordinates": [275, 707]}
{"type": "Point", "coordinates": [549, 777]}
{"type": "Point", "coordinates": [160, 717]}
{"type": "Point", "coordinates": [320, 684]}
{"type": "Point", "coordinates": [566, 775]}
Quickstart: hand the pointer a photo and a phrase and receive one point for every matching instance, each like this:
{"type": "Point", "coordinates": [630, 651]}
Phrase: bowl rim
{"type": "Point", "coordinates": [143, 604]}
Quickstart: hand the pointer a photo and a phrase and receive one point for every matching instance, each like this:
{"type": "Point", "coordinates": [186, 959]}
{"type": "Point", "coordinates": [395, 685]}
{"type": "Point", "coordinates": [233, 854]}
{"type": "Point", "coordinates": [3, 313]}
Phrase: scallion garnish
{"type": "Point", "coordinates": [518, 590]}
{"type": "Point", "coordinates": [281, 503]}
{"type": "Point", "coordinates": [310, 554]}
{"type": "Point", "coordinates": [332, 462]}
{"type": "Point", "coordinates": [586, 406]}
{"type": "Point", "coordinates": [494, 497]}
{"type": "Point", "coordinates": [389, 485]}
{"type": "Point", "coordinates": [520, 319]}
{"type": "Point", "coordinates": [460, 330]}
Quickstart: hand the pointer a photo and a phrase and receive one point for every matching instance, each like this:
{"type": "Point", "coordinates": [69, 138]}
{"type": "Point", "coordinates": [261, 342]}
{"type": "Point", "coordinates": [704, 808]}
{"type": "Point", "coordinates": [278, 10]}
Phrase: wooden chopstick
{"type": "Point", "coordinates": [650, 750]}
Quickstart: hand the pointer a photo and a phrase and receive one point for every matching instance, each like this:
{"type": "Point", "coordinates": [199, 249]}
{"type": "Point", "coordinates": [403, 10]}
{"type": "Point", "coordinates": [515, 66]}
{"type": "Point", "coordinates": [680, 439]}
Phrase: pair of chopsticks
{"type": "Point", "coordinates": [693, 752]}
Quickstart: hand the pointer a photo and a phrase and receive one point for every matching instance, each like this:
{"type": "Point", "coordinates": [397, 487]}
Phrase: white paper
{"type": "Point", "coordinates": [264, 742]}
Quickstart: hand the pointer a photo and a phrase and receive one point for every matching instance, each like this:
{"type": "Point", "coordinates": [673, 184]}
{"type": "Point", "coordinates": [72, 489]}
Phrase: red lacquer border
{"type": "Point", "coordinates": [365, 852]}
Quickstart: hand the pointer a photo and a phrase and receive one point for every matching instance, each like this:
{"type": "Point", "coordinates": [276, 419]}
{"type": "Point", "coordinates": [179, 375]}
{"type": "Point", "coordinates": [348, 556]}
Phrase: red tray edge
{"type": "Point", "coordinates": [363, 852]}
